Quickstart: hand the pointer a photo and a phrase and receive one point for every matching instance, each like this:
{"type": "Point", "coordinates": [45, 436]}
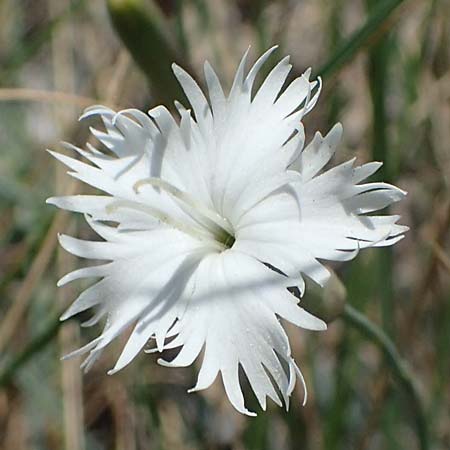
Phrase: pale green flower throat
{"type": "Point", "coordinates": [212, 226]}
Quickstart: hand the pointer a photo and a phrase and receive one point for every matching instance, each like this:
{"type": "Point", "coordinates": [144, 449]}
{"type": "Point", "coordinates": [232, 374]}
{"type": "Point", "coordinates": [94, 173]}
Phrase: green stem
{"type": "Point", "coordinates": [35, 346]}
{"type": "Point", "coordinates": [356, 41]}
{"type": "Point", "coordinates": [397, 364]}
{"type": "Point", "coordinates": [334, 39]}
{"type": "Point", "coordinates": [144, 33]}
{"type": "Point", "coordinates": [260, 24]}
{"type": "Point", "coordinates": [378, 68]}
{"type": "Point", "coordinates": [378, 65]}
{"type": "Point", "coordinates": [180, 31]}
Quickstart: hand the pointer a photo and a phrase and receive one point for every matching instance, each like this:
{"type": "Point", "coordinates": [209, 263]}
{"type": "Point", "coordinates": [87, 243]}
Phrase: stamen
{"type": "Point", "coordinates": [159, 215]}
{"type": "Point", "coordinates": [220, 227]}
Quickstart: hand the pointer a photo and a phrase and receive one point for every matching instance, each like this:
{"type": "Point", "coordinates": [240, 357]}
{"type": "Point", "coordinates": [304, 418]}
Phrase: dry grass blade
{"type": "Point", "coordinates": [37, 95]}
{"type": "Point", "coordinates": [64, 79]}
{"type": "Point", "coordinates": [38, 266]}
{"type": "Point", "coordinates": [419, 301]}
{"type": "Point", "coordinates": [441, 256]}
{"type": "Point", "coordinates": [8, 325]}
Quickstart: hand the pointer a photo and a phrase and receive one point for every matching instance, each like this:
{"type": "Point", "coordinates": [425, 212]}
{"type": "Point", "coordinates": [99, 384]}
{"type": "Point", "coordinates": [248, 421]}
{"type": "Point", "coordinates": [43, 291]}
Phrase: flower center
{"type": "Point", "coordinates": [211, 225]}
{"type": "Point", "coordinates": [226, 239]}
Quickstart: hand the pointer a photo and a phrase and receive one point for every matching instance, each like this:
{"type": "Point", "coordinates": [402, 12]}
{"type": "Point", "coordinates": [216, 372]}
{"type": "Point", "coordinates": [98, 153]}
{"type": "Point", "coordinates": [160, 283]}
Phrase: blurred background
{"type": "Point", "coordinates": [378, 379]}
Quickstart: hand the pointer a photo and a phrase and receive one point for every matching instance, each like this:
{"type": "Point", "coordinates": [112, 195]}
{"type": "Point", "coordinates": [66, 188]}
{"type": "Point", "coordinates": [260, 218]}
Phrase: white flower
{"type": "Point", "coordinates": [205, 209]}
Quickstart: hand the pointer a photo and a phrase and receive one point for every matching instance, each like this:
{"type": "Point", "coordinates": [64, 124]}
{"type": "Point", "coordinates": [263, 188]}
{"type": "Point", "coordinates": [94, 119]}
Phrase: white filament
{"type": "Point", "coordinates": [162, 217]}
{"type": "Point", "coordinates": [219, 226]}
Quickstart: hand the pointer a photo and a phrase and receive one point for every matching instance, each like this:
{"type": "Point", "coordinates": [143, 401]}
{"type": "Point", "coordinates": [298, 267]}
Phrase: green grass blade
{"type": "Point", "coordinates": [142, 29]}
{"type": "Point", "coordinates": [359, 38]}
{"type": "Point", "coordinates": [396, 363]}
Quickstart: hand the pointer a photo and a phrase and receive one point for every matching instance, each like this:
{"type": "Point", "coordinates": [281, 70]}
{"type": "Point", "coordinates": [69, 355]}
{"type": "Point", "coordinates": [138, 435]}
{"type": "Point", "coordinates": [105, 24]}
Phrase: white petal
{"type": "Point", "coordinates": [374, 200]}
{"type": "Point", "coordinates": [238, 82]}
{"type": "Point", "coordinates": [216, 95]}
{"type": "Point", "coordinates": [85, 272]}
{"type": "Point", "coordinates": [89, 249]}
{"type": "Point", "coordinates": [196, 98]}
{"type": "Point", "coordinates": [257, 67]}
{"type": "Point", "coordinates": [294, 95]}
{"type": "Point", "coordinates": [272, 85]}
{"type": "Point", "coordinates": [317, 154]}
{"type": "Point", "coordinates": [234, 308]}
{"type": "Point", "coordinates": [134, 345]}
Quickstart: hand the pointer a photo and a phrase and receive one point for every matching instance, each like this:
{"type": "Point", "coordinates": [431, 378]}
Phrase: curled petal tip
{"type": "Point", "coordinates": [192, 390]}
{"type": "Point", "coordinates": [64, 316]}
{"type": "Point", "coordinates": [176, 69]}
{"type": "Point", "coordinates": [161, 361]}
{"type": "Point", "coordinates": [151, 350]}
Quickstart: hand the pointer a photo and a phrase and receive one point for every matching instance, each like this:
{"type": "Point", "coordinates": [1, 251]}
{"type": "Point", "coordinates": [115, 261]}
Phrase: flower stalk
{"type": "Point", "coordinates": [397, 364]}
{"type": "Point", "coordinates": [141, 26]}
